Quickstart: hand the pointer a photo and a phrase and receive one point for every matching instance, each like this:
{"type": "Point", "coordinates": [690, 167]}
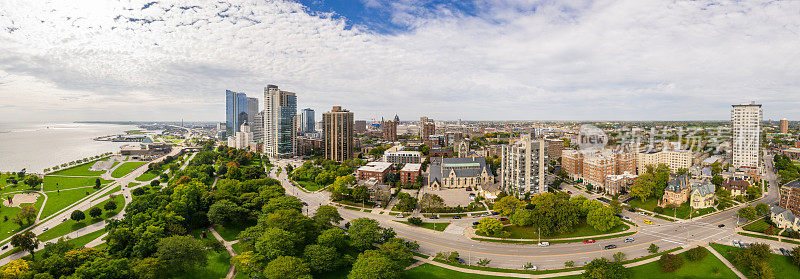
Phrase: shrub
{"type": "Point", "coordinates": [670, 262]}
{"type": "Point", "coordinates": [653, 248]}
{"type": "Point", "coordinates": [696, 253]}
{"type": "Point", "coordinates": [569, 263]}
{"type": "Point", "coordinates": [416, 221]}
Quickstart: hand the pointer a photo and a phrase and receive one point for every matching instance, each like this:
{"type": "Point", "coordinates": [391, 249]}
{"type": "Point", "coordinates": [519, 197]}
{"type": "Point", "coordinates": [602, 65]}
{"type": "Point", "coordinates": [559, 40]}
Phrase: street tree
{"type": "Point", "coordinates": [364, 232]}
{"type": "Point", "coordinates": [762, 209]}
{"type": "Point", "coordinates": [602, 219]}
{"type": "Point", "coordinates": [26, 241]}
{"type": "Point", "coordinates": [490, 226]}
{"type": "Point", "coordinates": [602, 268]}
{"type": "Point", "coordinates": [670, 262]}
{"type": "Point", "coordinates": [507, 205]}
{"type": "Point", "coordinates": [77, 215]}
{"type": "Point", "coordinates": [619, 257]}
{"type": "Point", "coordinates": [748, 213]}
{"type": "Point", "coordinates": [95, 212]}
{"type": "Point", "coordinates": [326, 215]}
{"type": "Point", "coordinates": [652, 249]}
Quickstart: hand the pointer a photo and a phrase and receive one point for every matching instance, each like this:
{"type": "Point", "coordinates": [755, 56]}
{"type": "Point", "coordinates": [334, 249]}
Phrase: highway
{"type": "Point", "coordinates": [666, 235]}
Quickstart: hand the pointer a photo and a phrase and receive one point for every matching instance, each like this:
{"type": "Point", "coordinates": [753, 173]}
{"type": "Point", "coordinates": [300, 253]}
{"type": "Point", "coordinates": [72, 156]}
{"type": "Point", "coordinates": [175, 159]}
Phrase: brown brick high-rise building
{"type": "Point", "coordinates": [427, 127]}
{"type": "Point", "coordinates": [338, 134]}
{"type": "Point", "coordinates": [389, 129]}
{"type": "Point", "coordinates": [790, 197]}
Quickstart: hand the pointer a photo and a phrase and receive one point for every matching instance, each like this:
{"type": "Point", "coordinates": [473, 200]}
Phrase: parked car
{"type": "Point", "coordinates": [45, 229]}
{"type": "Point", "coordinates": [783, 251]}
{"type": "Point", "coordinates": [5, 247]}
{"type": "Point", "coordinates": [544, 243]}
{"type": "Point", "coordinates": [631, 210]}
{"type": "Point", "coordinates": [569, 192]}
{"type": "Point", "coordinates": [475, 223]}
{"type": "Point", "coordinates": [735, 242]}
{"type": "Point", "coordinates": [495, 213]}
{"type": "Point", "coordinates": [721, 226]}
{"type": "Point", "coordinates": [533, 267]}
{"type": "Point", "coordinates": [305, 203]}
{"type": "Point", "coordinates": [461, 261]}
{"type": "Point", "coordinates": [629, 239]}
{"type": "Point", "coordinates": [456, 217]}
{"type": "Point", "coordinates": [612, 246]}
{"type": "Point", "coordinates": [433, 217]}
{"type": "Point", "coordinates": [626, 218]}
{"type": "Point", "coordinates": [400, 216]}
{"type": "Point", "coordinates": [469, 188]}
{"type": "Point", "coordinates": [589, 241]}
{"type": "Point", "coordinates": [503, 219]}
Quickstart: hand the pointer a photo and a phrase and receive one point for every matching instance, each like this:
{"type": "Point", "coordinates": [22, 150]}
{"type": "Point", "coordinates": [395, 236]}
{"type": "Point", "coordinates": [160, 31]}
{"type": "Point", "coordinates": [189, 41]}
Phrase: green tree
{"type": "Point", "coordinates": [616, 206]}
{"type": "Point", "coordinates": [181, 253]}
{"type": "Point", "coordinates": [26, 241]}
{"type": "Point", "coordinates": [430, 202]}
{"type": "Point", "coordinates": [334, 237]}
{"type": "Point", "coordinates": [602, 219]}
{"type": "Point", "coordinates": [670, 262]}
{"type": "Point", "coordinates": [327, 214]}
{"type": "Point", "coordinates": [602, 268]}
{"type": "Point", "coordinates": [110, 205]}
{"type": "Point", "coordinates": [364, 232]}
{"type": "Point", "coordinates": [507, 205]}
{"type": "Point", "coordinates": [490, 226]}
{"type": "Point", "coordinates": [762, 270]}
{"type": "Point", "coordinates": [619, 257]}
{"type": "Point", "coordinates": [287, 267]}
{"type": "Point", "coordinates": [696, 253]}
{"type": "Point", "coordinates": [246, 263]}
{"type": "Point", "coordinates": [762, 209]}
{"type": "Point", "coordinates": [77, 215]}
{"type": "Point", "coordinates": [33, 181]}
{"type": "Point", "coordinates": [406, 202]}
{"type": "Point", "coordinates": [373, 265]}
{"type": "Point", "coordinates": [102, 267]}
{"type": "Point", "coordinates": [321, 258]}
{"type": "Point", "coordinates": [284, 202]}
{"type": "Point", "coordinates": [26, 215]}
{"type": "Point", "coordinates": [95, 212]}
{"type": "Point", "coordinates": [522, 218]}
{"type": "Point", "coordinates": [360, 193]}
{"type": "Point", "coordinates": [717, 180]}
{"type": "Point", "coordinates": [652, 249]}
{"type": "Point", "coordinates": [97, 184]}
{"type": "Point", "coordinates": [225, 212]}
{"type": "Point", "coordinates": [796, 255]}
{"type": "Point", "coordinates": [274, 243]}
{"type": "Point", "coordinates": [748, 213]}
{"type": "Point", "coordinates": [643, 187]}
{"type": "Point", "coordinates": [416, 221]}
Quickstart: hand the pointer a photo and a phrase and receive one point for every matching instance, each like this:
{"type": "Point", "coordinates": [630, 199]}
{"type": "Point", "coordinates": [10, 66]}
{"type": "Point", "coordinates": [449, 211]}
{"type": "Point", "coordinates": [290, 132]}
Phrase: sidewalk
{"type": "Point", "coordinates": [725, 261]}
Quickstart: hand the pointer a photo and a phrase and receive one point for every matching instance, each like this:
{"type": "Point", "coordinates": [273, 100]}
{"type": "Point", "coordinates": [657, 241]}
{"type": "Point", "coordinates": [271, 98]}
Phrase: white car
{"type": "Point", "coordinates": [626, 218]}
{"type": "Point", "coordinates": [400, 216]}
{"type": "Point", "coordinates": [543, 244]}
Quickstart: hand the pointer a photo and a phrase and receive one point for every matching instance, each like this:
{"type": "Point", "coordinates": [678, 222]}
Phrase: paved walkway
{"type": "Point", "coordinates": [725, 261]}
{"type": "Point", "coordinates": [228, 246]}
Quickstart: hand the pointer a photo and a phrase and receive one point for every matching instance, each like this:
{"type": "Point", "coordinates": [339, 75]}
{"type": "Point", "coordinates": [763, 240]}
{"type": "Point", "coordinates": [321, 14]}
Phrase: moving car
{"type": "Point", "coordinates": [626, 218]}
{"type": "Point", "coordinates": [400, 216]}
{"type": "Point", "coordinates": [544, 243]}
{"type": "Point", "coordinates": [456, 217]}
{"type": "Point", "coordinates": [495, 213]}
{"type": "Point", "coordinates": [589, 241]}
{"type": "Point", "coordinates": [629, 239]}
{"type": "Point", "coordinates": [503, 219]}
{"type": "Point", "coordinates": [433, 217]}
{"type": "Point", "coordinates": [475, 223]}
{"type": "Point", "coordinates": [632, 210]}
{"type": "Point", "coordinates": [612, 246]}
{"type": "Point", "coordinates": [721, 226]}
{"type": "Point", "coordinates": [569, 192]}
{"type": "Point", "coordinates": [647, 221]}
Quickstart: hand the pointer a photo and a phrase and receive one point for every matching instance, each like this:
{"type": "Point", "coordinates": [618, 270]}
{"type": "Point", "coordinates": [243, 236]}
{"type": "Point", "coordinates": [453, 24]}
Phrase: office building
{"type": "Point", "coordinates": [522, 168]}
{"type": "Point", "coordinates": [258, 127]}
{"type": "Point", "coordinates": [307, 121]}
{"type": "Point", "coordinates": [746, 137]}
{"type": "Point", "coordinates": [360, 126]}
{"type": "Point", "coordinates": [338, 134]}
{"type": "Point", "coordinates": [784, 126]}
{"type": "Point", "coordinates": [236, 110]}
{"type": "Point", "coordinates": [252, 110]}
{"type": "Point", "coordinates": [280, 109]}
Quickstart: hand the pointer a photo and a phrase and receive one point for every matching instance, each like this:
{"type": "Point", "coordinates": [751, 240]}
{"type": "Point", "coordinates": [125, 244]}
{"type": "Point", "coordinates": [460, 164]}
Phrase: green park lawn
{"type": "Point", "coordinates": [429, 271]}
{"type": "Point", "coordinates": [85, 239]}
{"type": "Point", "coordinates": [649, 205]}
{"type": "Point", "coordinates": [126, 168]}
{"type": "Point", "coordinates": [113, 191]}
{"type": "Point", "coordinates": [583, 229]}
{"type": "Point", "coordinates": [683, 211]}
{"type": "Point", "coordinates": [216, 266]}
{"type": "Point", "coordinates": [229, 233]}
{"type": "Point", "coordinates": [3, 177]}
{"type": "Point", "coordinates": [8, 227]}
{"type": "Point", "coordinates": [431, 226]}
{"type": "Point", "coordinates": [757, 226]}
{"type": "Point", "coordinates": [71, 225]}
{"type": "Point", "coordinates": [309, 185]}
{"type": "Point", "coordinates": [53, 183]}
{"type": "Point", "coordinates": [708, 267]}
{"type": "Point", "coordinates": [80, 170]}
{"type": "Point", "coordinates": [781, 265]}
{"type": "Point", "coordinates": [59, 200]}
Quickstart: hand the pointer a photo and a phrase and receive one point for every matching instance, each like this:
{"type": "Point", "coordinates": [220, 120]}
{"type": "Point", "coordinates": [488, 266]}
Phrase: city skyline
{"type": "Point", "coordinates": [525, 60]}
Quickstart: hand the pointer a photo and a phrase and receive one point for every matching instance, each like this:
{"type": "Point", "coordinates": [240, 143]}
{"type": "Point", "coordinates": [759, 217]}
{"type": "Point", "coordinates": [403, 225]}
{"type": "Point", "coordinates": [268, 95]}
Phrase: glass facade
{"type": "Point", "coordinates": [236, 108]}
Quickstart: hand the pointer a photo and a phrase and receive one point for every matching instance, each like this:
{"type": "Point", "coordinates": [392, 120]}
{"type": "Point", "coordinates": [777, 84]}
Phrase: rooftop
{"type": "Point", "coordinates": [412, 167]}
{"type": "Point", "coordinates": [376, 166]}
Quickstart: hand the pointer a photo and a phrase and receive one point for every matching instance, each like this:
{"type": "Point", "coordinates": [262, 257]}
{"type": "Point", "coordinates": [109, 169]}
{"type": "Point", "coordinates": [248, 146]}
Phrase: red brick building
{"type": "Point", "coordinates": [790, 197]}
{"type": "Point", "coordinates": [377, 170]}
{"type": "Point", "coordinates": [410, 172]}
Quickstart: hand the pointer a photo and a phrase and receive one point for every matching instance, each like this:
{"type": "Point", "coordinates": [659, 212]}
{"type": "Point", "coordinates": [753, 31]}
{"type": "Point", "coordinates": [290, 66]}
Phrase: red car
{"type": "Point", "coordinates": [588, 241]}
{"type": "Point", "coordinates": [503, 219]}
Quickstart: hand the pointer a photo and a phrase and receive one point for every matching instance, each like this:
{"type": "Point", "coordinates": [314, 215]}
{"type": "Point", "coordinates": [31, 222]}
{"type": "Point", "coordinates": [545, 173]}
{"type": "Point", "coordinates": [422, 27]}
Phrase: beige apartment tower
{"type": "Point", "coordinates": [784, 126]}
{"type": "Point", "coordinates": [746, 137]}
{"type": "Point", "coordinates": [337, 132]}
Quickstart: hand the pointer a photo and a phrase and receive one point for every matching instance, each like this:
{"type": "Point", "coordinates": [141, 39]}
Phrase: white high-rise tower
{"type": "Point", "coordinates": [280, 109]}
{"type": "Point", "coordinates": [746, 136]}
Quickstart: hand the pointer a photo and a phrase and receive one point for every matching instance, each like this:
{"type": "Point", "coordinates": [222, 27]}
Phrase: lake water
{"type": "Point", "coordinates": [36, 146]}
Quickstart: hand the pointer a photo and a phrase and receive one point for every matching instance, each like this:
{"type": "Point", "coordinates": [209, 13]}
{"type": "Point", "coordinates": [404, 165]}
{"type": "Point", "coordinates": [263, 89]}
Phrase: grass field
{"type": "Point", "coordinates": [8, 228]}
{"type": "Point", "coordinates": [650, 204]}
{"type": "Point", "coordinates": [85, 239]}
{"type": "Point", "coordinates": [216, 267]}
{"type": "Point", "coordinates": [3, 177]}
{"type": "Point", "coordinates": [309, 185]}
{"type": "Point", "coordinates": [52, 183]}
{"type": "Point", "coordinates": [79, 170]}
{"type": "Point", "coordinates": [229, 233]}
{"type": "Point", "coordinates": [781, 265]}
{"type": "Point", "coordinates": [708, 267]}
{"type": "Point", "coordinates": [757, 226]}
{"type": "Point", "coordinates": [147, 176]}
{"type": "Point", "coordinates": [71, 225]}
{"type": "Point", "coordinates": [579, 231]}
{"type": "Point", "coordinates": [59, 200]}
{"type": "Point", "coordinates": [110, 192]}
{"type": "Point", "coordinates": [126, 168]}
{"type": "Point", "coordinates": [426, 271]}
{"type": "Point", "coordinates": [431, 226]}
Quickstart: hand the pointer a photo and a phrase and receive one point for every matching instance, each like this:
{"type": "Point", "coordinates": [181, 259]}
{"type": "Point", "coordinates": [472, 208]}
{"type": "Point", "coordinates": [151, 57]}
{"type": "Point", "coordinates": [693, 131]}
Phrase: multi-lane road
{"type": "Point", "coordinates": [665, 234]}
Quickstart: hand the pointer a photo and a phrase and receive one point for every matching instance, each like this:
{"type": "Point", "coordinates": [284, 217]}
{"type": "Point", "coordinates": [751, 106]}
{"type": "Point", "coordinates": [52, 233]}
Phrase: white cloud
{"type": "Point", "coordinates": [513, 60]}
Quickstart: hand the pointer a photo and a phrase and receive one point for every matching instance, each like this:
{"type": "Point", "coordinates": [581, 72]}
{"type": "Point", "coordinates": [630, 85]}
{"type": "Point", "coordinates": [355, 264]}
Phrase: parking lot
{"type": "Point", "coordinates": [451, 197]}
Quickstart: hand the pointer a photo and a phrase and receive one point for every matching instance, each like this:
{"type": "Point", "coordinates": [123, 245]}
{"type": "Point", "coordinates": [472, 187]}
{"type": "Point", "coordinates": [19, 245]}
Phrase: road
{"type": "Point", "coordinates": [666, 235]}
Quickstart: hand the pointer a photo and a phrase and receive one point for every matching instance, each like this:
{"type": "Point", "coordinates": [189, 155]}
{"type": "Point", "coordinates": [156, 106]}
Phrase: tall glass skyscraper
{"type": "Point", "coordinates": [307, 121]}
{"type": "Point", "coordinates": [236, 111]}
{"type": "Point", "coordinates": [280, 109]}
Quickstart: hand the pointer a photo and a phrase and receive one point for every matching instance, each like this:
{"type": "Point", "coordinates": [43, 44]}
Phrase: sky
{"type": "Point", "coordinates": [470, 59]}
